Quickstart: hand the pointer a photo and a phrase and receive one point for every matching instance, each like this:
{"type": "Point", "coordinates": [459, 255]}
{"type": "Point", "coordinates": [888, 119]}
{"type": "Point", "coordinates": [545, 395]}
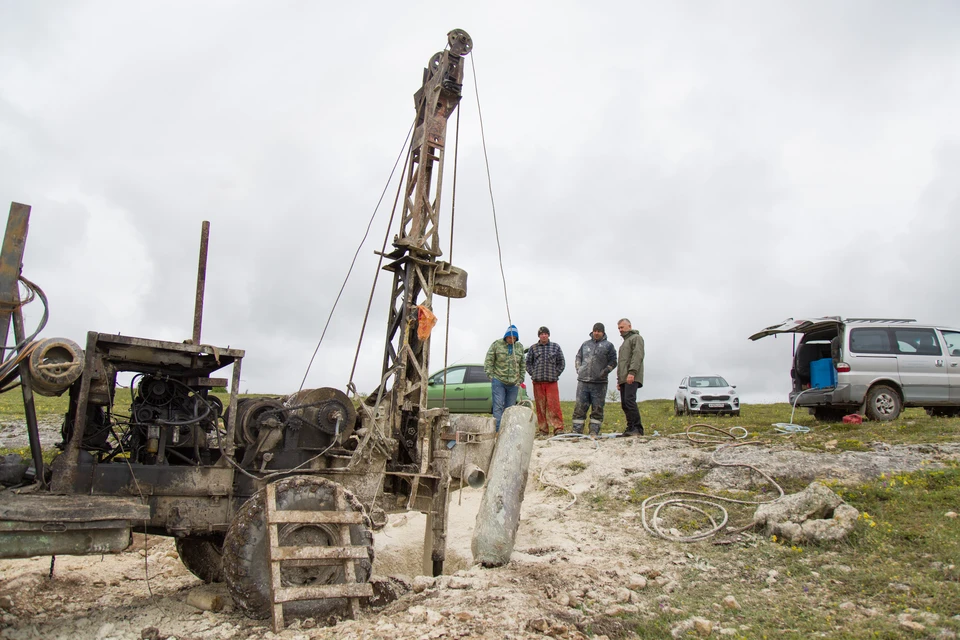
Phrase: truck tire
{"type": "Point", "coordinates": [203, 556]}
{"type": "Point", "coordinates": [246, 567]}
{"type": "Point", "coordinates": [883, 403]}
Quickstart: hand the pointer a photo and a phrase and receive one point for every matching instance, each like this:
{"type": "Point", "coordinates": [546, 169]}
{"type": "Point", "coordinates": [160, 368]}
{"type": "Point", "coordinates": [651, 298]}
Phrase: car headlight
{"type": "Point", "coordinates": [695, 392]}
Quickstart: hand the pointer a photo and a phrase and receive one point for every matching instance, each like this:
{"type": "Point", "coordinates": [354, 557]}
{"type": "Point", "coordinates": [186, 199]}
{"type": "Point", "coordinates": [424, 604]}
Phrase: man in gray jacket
{"type": "Point", "coordinates": [630, 376]}
{"type": "Point", "coordinates": [595, 360]}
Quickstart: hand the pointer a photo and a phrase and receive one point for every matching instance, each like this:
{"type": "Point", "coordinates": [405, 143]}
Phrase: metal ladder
{"type": "Point", "coordinates": [346, 553]}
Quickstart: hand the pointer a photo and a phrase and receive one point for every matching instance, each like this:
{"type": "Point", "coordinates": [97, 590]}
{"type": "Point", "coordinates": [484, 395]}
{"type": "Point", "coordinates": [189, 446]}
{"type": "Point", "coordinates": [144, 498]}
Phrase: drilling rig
{"type": "Point", "coordinates": [276, 496]}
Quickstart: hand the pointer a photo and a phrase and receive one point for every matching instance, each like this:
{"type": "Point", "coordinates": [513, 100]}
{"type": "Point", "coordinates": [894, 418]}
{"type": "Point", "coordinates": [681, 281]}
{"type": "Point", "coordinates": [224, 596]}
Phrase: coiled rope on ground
{"type": "Point", "coordinates": [704, 504]}
{"type": "Point", "coordinates": [690, 499]}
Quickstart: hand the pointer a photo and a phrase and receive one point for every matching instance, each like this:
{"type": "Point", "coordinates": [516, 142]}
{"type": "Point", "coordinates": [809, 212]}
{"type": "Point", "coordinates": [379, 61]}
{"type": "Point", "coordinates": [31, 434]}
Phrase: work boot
{"type": "Point", "coordinates": [558, 432]}
{"type": "Point", "coordinates": [630, 432]}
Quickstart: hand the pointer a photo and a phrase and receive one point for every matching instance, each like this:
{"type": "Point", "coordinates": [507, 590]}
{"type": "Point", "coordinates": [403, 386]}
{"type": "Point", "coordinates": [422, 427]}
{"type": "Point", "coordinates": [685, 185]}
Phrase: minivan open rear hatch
{"type": "Point", "coordinates": [800, 325]}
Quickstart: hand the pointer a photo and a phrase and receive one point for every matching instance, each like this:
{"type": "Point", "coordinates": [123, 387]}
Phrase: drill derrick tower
{"type": "Point", "coordinates": [417, 272]}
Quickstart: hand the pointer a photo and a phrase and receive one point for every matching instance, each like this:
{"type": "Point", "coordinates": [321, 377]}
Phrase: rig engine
{"type": "Point", "coordinates": [171, 423]}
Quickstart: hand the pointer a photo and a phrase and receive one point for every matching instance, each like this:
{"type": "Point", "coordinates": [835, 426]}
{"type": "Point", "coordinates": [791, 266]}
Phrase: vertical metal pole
{"type": "Point", "coordinates": [229, 447]}
{"type": "Point", "coordinates": [11, 264]}
{"type": "Point", "coordinates": [201, 281]}
{"type": "Point", "coordinates": [65, 473]}
{"type": "Point", "coordinates": [29, 409]}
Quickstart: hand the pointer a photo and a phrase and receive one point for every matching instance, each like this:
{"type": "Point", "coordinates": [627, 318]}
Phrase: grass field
{"type": "Point", "coordinates": [913, 425]}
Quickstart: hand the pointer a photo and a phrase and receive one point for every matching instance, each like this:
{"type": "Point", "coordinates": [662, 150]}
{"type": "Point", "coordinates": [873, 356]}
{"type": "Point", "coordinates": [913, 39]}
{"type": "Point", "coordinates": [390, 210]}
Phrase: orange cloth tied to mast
{"type": "Point", "coordinates": [426, 320]}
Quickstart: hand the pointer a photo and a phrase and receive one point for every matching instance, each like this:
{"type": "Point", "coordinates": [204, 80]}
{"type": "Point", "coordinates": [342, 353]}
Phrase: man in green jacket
{"type": "Point", "coordinates": [504, 365]}
{"type": "Point", "coordinates": [630, 375]}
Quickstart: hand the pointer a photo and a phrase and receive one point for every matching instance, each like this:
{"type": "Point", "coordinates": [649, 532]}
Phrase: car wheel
{"type": "Point", "coordinates": [883, 403]}
{"type": "Point", "coordinates": [686, 408]}
{"type": "Point", "coordinates": [735, 414]}
{"type": "Point", "coordinates": [677, 409]}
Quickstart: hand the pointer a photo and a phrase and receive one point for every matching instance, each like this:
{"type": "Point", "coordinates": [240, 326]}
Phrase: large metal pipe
{"type": "Point", "coordinates": [473, 447]}
{"type": "Point", "coordinates": [474, 476]}
{"type": "Point", "coordinates": [499, 514]}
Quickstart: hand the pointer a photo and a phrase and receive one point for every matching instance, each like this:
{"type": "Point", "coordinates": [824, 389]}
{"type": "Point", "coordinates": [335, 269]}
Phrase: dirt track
{"type": "Point", "coordinates": [573, 570]}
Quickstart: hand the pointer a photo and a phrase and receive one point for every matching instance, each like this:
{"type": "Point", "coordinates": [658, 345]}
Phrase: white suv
{"type": "Point", "coordinates": [873, 366]}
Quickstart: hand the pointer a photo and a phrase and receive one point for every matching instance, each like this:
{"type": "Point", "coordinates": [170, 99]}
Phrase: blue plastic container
{"type": "Point", "coordinates": [822, 374]}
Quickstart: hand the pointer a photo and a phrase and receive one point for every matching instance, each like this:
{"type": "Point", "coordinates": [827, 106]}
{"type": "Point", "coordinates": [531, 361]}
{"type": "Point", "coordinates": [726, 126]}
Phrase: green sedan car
{"type": "Point", "coordinates": [468, 389]}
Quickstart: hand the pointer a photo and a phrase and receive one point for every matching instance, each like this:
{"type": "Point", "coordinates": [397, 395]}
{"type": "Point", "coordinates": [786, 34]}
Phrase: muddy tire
{"type": "Point", "coordinates": [883, 403]}
{"type": "Point", "coordinates": [677, 409]}
{"type": "Point", "coordinates": [203, 556]}
{"type": "Point", "coordinates": [246, 567]}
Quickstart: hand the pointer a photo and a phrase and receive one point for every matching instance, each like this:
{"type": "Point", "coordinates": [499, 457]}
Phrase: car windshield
{"type": "Point", "coordinates": [698, 382]}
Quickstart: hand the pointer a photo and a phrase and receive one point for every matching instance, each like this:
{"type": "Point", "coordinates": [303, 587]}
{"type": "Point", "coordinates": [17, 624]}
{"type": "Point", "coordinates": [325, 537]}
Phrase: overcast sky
{"type": "Point", "coordinates": [704, 168]}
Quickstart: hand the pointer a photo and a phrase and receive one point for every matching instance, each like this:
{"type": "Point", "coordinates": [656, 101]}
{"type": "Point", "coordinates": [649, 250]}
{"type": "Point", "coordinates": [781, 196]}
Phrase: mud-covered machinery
{"type": "Point", "coordinates": [275, 495]}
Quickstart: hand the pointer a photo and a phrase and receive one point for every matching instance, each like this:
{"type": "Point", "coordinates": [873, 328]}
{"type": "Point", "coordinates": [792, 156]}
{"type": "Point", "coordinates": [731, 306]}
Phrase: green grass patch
{"type": "Point", "coordinates": [599, 501]}
{"type": "Point", "coordinates": [852, 444]}
{"type": "Point", "coordinates": [912, 427]}
{"type": "Point", "coordinates": [576, 466]}
{"type": "Point", "coordinates": [902, 558]}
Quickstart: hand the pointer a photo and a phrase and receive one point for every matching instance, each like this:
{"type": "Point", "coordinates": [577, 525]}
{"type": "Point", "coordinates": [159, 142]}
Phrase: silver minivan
{"type": "Point", "coordinates": [873, 366]}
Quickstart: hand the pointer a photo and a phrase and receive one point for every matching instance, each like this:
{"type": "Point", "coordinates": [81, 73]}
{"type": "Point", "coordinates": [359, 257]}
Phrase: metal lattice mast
{"type": "Point", "coordinates": [417, 246]}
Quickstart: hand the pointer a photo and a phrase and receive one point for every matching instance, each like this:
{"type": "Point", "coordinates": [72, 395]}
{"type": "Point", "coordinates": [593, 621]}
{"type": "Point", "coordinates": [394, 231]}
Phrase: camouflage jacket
{"type": "Point", "coordinates": [502, 365]}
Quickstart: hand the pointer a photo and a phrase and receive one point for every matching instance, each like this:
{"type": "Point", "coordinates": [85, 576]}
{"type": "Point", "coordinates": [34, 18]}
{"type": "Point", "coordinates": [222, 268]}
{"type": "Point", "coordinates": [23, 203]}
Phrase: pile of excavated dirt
{"type": "Point", "coordinates": [573, 569]}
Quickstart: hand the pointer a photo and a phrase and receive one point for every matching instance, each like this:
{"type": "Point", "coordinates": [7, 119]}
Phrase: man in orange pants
{"type": "Point", "coordinates": [545, 363]}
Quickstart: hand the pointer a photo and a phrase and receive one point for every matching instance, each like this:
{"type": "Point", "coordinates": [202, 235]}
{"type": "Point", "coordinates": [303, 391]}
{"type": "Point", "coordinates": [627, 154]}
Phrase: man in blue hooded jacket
{"type": "Point", "coordinates": [504, 365]}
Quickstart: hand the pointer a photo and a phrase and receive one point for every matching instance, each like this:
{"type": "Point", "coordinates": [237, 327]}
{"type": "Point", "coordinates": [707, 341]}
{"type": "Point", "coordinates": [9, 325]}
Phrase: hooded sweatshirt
{"type": "Point", "coordinates": [505, 362]}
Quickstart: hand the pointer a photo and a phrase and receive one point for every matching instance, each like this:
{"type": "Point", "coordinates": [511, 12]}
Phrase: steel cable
{"type": "Point", "coordinates": [453, 212]}
{"type": "Point", "coordinates": [493, 205]}
{"type": "Point", "coordinates": [353, 262]}
{"type": "Point", "coordinates": [383, 250]}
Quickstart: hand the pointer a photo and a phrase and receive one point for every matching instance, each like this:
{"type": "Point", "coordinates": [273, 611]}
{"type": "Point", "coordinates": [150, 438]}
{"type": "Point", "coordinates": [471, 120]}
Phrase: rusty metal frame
{"type": "Point", "coordinates": [128, 353]}
{"type": "Point", "coordinates": [11, 266]}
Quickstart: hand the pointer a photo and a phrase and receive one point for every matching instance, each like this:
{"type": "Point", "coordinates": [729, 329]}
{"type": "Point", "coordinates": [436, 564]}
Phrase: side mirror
{"type": "Point", "coordinates": [431, 382]}
{"type": "Point", "coordinates": [733, 386]}
{"type": "Point", "coordinates": [683, 386]}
